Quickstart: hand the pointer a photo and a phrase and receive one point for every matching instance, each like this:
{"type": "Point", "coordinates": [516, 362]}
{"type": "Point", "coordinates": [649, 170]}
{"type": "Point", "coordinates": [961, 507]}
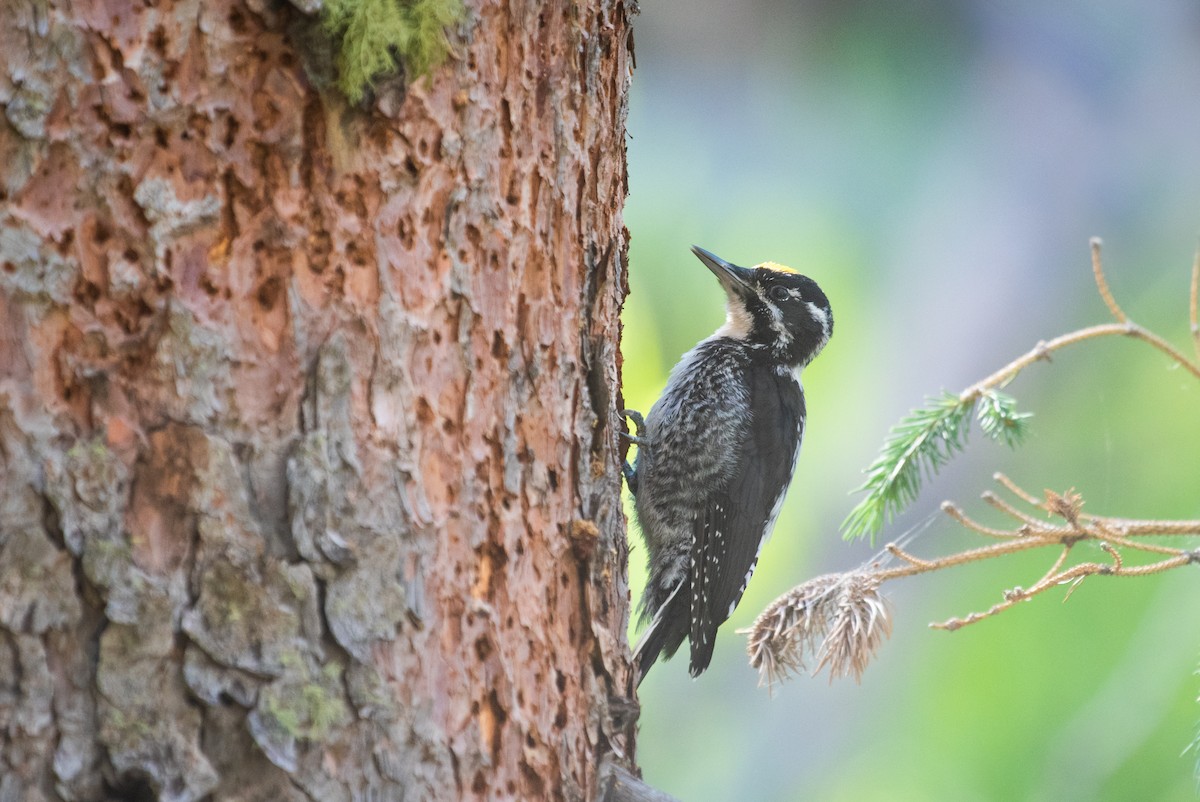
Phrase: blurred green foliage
{"type": "Point", "coordinates": [939, 171]}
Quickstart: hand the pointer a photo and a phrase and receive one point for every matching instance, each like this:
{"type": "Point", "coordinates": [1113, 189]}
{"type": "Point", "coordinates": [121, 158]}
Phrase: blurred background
{"type": "Point", "coordinates": [938, 168]}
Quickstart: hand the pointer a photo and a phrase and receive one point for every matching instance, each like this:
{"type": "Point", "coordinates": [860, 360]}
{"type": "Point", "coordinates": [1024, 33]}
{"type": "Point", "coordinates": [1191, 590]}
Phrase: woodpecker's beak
{"type": "Point", "coordinates": [732, 277]}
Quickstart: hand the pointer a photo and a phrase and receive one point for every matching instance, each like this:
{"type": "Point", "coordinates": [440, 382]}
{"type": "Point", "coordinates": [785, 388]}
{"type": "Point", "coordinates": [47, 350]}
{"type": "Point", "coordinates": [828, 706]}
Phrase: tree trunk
{"type": "Point", "coordinates": [309, 482]}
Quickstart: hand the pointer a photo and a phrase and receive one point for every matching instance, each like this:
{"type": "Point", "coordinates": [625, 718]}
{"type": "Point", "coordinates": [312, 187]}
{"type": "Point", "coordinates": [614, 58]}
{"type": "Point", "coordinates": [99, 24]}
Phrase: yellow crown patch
{"type": "Point", "coordinates": [778, 268]}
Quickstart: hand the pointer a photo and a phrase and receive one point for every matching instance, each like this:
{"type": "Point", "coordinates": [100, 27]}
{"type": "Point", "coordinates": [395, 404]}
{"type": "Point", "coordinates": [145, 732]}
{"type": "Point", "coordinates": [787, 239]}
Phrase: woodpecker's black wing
{"type": "Point", "coordinates": [736, 519]}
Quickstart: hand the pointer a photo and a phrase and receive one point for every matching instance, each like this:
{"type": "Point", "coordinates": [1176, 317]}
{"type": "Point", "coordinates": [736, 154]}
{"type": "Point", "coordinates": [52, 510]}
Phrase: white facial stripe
{"type": "Point", "coordinates": [820, 314]}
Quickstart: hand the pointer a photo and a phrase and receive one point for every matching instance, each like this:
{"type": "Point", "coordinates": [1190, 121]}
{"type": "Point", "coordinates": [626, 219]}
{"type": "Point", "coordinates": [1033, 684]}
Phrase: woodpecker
{"type": "Point", "coordinates": [717, 452]}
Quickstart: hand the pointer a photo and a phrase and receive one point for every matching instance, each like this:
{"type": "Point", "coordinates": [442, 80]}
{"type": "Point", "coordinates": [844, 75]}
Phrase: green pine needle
{"type": "Point", "coordinates": [920, 445]}
{"type": "Point", "coordinates": [999, 419]}
{"type": "Point", "coordinates": [378, 37]}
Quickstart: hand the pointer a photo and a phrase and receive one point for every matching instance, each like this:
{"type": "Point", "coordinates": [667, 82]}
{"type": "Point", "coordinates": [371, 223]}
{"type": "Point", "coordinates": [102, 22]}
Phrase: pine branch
{"type": "Point", "coordinates": [921, 444]}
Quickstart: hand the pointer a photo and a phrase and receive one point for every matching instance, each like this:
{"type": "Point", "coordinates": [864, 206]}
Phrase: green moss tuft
{"type": "Point", "coordinates": [379, 37]}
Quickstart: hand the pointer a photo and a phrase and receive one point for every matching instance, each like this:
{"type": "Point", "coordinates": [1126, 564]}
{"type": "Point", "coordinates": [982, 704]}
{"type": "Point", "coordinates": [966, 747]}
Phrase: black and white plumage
{"type": "Point", "coordinates": [717, 452]}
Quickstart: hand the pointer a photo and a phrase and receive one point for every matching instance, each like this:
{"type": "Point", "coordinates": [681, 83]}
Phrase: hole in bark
{"type": "Point", "coordinates": [130, 255]}
{"type": "Point", "coordinates": [560, 681]}
{"type": "Point", "coordinates": [133, 786]}
{"type": "Point", "coordinates": [237, 21]}
{"type": "Point", "coordinates": [479, 784]}
{"type": "Point", "coordinates": [158, 41]}
{"type": "Point", "coordinates": [87, 293]}
{"type": "Point", "coordinates": [424, 412]}
{"type": "Point", "coordinates": [141, 311]}
{"type": "Point", "coordinates": [122, 130]}
{"type": "Point", "coordinates": [161, 138]}
{"type": "Point", "coordinates": [269, 292]}
{"type": "Point", "coordinates": [231, 131]}
{"type": "Point", "coordinates": [483, 648]}
{"type": "Point", "coordinates": [101, 233]}
{"type": "Point", "coordinates": [355, 255]}
{"type": "Point", "coordinates": [552, 477]}
{"type": "Point", "coordinates": [9, 268]}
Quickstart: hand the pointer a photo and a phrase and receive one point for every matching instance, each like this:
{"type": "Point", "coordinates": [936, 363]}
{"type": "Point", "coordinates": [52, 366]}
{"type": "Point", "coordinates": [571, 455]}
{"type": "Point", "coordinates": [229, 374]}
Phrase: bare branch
{"type": "Point", "coordinates": [1016, 490]}
{"type": "Point", "coordinates": [1102, 283]}
{"type": "Point", "coordinates": [1006, 508]}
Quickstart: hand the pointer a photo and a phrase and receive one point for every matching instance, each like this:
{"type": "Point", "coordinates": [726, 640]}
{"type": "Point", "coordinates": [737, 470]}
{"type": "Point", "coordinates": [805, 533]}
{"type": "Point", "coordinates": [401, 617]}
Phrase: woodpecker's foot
{"type": "Point", "coordinates": [639, 425]}
{"type": "Point", "coordinates": [630, 473]}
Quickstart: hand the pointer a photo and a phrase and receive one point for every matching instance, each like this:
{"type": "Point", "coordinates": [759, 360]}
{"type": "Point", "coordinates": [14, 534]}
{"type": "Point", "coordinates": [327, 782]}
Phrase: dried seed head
{"type": "Point", "coordinates": [1065, 505]}
{"type": "Point", "coordinates": [838, 619]}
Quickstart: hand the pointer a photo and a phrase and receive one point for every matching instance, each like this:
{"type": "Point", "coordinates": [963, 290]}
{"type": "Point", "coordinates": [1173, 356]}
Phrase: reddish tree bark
{"type": "Point", "coordinates": [308, 460]}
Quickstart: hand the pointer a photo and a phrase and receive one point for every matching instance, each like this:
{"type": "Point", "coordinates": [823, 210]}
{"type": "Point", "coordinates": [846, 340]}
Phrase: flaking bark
{"type": "Point", "coordinates": [308, 473]}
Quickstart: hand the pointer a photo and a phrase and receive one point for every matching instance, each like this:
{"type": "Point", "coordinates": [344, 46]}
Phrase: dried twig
{"type": "Point", "coordinates": [840, 620]}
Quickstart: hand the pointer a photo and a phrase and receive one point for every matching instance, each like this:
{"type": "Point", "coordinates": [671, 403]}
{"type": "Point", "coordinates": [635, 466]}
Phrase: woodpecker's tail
{"type": "Point", "coordinates": [665, 633]}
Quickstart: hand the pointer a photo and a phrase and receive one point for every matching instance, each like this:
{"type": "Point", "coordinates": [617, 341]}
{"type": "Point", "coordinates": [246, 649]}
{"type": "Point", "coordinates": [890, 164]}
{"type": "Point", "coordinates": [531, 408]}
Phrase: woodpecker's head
{"type": "Point", "coordinates": [773, 307]}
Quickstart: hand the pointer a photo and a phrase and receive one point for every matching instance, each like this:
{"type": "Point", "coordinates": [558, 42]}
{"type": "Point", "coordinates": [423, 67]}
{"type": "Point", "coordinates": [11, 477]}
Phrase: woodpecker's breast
{"type": "Point", "coordinates": [789, 425]}
{"type": "Point", "coordinates": [697, 434]}
{"type": "Point", "coordinates": [773, 443]}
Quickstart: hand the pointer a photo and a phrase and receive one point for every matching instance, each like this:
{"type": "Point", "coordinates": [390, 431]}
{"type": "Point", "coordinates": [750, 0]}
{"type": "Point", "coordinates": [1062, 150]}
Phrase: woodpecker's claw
{"type": "Point", "coordinates": [639, 425]}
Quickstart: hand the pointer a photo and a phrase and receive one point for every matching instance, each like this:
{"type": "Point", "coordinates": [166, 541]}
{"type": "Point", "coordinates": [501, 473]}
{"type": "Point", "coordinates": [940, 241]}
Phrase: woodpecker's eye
{"type": "Point", "coordinates": [779, 293]}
